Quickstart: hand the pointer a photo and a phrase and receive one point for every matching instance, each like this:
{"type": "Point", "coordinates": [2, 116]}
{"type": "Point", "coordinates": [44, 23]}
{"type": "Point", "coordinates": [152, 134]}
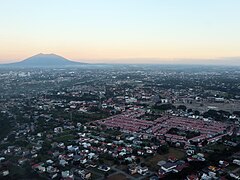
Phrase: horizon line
{"type": "Point", "coordinates": [232, 60]}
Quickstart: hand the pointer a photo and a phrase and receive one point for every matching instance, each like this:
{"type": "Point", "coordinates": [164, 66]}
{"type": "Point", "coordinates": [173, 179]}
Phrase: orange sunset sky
{"type": "Point", "coordinates": [135, 31]}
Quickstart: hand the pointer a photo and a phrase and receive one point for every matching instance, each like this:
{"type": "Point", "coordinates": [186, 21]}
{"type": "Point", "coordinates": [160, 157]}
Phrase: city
{"type": "Point", "coordinates": [120, 122]}
{"type": "Point", "coordinates": [119, 90]}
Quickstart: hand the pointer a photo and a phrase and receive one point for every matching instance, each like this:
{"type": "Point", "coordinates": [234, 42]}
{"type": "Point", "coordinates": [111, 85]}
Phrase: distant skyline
{"type": "Point", "coordinates": [126, 31]}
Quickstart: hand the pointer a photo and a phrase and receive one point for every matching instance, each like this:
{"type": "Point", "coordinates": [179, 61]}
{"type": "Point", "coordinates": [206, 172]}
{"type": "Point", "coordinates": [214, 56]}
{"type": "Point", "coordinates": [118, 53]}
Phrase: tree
{"type": "Point", "coordinates": [154, 140]}
{"type": "Point", "coordinates": [116, 161]}
{"type": "Point", "coordinates": [197, 113]}
{"type": "Point", "coordinates": [138, 160]}
{"type": "Point", "coordinates": [164, 149]}
{"type": "Point", "coordinates": [204, 143]}
{"type": "Point", "coordinates": [106, 174]}
{"type": "Point", "coordinates": [237, 113]}
{"type": "Point", "coordinates": [164, 107]}
{"type": "Point", "coordinates": [11, 138]}
{"type": "Point", "coordinates": [46, 146]}
{"type": "Point", "coordinates": [216, 115]}
{"type": "Point", "coordinates": [182, 107]}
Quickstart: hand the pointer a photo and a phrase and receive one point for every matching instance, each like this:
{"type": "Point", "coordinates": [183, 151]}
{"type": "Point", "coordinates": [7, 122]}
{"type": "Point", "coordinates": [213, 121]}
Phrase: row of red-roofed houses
{"type": "Point", "coordinates": [127, 122]}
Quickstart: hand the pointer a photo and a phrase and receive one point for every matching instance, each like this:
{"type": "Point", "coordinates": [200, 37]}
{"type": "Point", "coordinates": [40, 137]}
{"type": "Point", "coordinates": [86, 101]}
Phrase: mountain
{"type": "Point", "coordinates": [45, 60]}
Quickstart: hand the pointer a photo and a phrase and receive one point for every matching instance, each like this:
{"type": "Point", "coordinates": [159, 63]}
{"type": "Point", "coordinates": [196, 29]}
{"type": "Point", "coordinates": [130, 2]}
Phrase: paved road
{"type": "Point", "coordinates": [236, 170]}
{"type": "Point", "coordinates": [128, 176]}
{"type": "Point", "coordinates": [118, 171]}
{"type": "Point", "coordinates": [101, 175]}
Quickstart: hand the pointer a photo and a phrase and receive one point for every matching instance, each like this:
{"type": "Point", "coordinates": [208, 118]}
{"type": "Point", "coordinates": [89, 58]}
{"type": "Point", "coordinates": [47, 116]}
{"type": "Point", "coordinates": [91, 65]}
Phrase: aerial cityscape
{"type": "Point", "coordinates": [110, 90]}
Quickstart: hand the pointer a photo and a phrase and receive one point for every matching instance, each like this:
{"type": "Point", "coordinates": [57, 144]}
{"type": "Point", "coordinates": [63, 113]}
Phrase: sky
{"type": "Point", "coordinates": [121, 31]}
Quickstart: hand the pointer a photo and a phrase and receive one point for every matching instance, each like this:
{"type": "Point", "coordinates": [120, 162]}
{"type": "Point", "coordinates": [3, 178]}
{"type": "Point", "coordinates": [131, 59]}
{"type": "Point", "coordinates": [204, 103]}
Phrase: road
{"type": "Point", "coordinates": [128, 176]}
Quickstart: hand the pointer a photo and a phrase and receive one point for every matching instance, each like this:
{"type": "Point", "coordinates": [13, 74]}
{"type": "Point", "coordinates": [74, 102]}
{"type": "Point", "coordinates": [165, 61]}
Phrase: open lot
{"type": "Point", "coordinates": [152, 161]}
{"type": "Point", "coordinates": [230, 107]}
{"type": "Point", "coordinates": [117, 177]}
{"type": "Point", "coordinates": [216, 147]}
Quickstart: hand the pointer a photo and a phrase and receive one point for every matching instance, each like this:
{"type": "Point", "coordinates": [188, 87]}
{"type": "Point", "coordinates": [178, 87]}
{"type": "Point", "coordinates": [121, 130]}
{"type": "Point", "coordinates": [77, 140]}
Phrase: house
{"type": "Point", "coordinates": [172, 159]}
{"type": "Point", "coordinates": [223, 164]}
{"type": "Point", "coordinates": [139, 152]}
{"type": "Point", "coordinates": [2, 159]}
{"type": "Point", "coordinates": [91, 155]}
{"type": "Point", "coordinates": [53, 175]}
{"type": "Point", "coordinates": [83, 160]}
{"type": "Point", "coordinates": [189, 152]}
{"type": "Point", "coordinates": [129, 159]}
{"type": "Point", "coordinates": [49, 161]}
{"type": "Point", "coordinates": [86, 145]}
{"type": "Point", "coordinates": [76, 158]}
{"type": "Point", "coordinates": [83, 174]}
{"type": "Point", "coordinates": [132, 168]}
{"type": "Point", "coordinates": [39, 134]}
{"type": "Point", "coordinates": [56, 154]}
{"type": "Point", "coordinates": [213, 168]}
{"type": "Point", "coordinates": [61, 145]}
{"type": "Point", "coordinates": [39, 167]}
{"type": "Point", "coordinates": [160, 163]}
{"type": "Point", "coordinates": [142, 170]}
{"type": "Point", "coordinates": [104, 168]}
{"type": "Point", "coordinates": [192, 177]}
{"type": "Point", "coordinates": [236, 161]}
{"type": "Point", "coordinates": [4, 173]}
{"type": "Point", "coordinates": [180, 166]}
{"type": "Point", "coordinates": [22, 161]}
{"type": "Point", "coordinates": [63, 163]}
{"type": "Point", "coordinates": [67, 175]}
{"type": "Point", "coordinates": [93, 165]}
{"type": "Point", "coordinates": [72, 148]}
{"type": "Point", "coordinates": [154, 178]}
{"type": "Point", "coordinates": [51, 169]}
{"type": "Point", "coordinates": [235, 176]}
{"type": "Point", "coordinates": [25, 153]}
{"type": "Point", "coordinates": [149, 151]}
{"type": "Point", "coordinates": [169, 166]}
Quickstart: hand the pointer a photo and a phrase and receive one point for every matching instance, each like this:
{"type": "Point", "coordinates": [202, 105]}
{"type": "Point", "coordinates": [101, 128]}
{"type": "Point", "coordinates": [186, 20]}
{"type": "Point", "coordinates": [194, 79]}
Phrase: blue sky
{"type": "Point", "coordinates": [108, 30]}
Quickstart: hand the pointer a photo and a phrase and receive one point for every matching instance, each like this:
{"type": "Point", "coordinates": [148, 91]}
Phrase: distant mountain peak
{"type": "Point", "coordinates": [44, 60]}
{"type": "Point", "coordinates": [44, 54]}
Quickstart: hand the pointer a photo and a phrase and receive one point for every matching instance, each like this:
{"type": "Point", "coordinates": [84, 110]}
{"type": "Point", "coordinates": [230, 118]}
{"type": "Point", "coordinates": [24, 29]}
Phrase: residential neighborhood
{"type": "Point", "coordinates": [106, 123]}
